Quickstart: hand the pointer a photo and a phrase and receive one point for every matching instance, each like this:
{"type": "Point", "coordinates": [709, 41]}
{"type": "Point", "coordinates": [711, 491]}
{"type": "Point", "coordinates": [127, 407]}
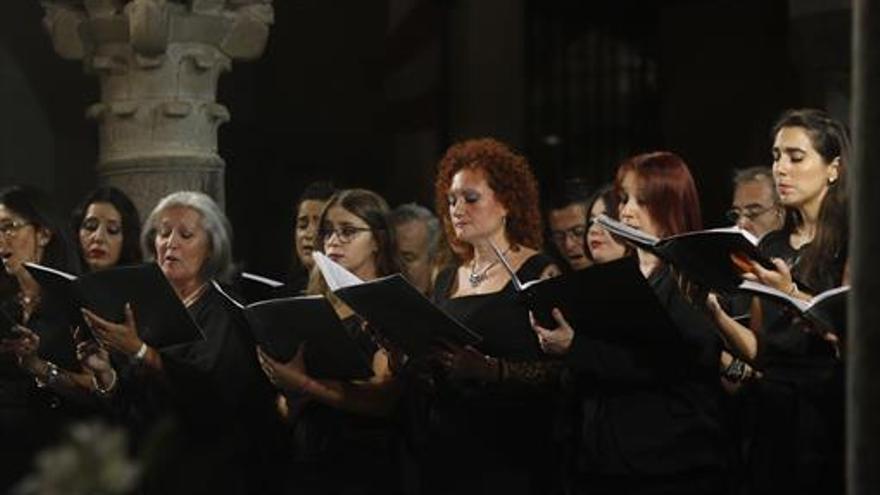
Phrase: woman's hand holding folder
{"type": "Point", "coordinates": [290, 376]}
{"type": "Point", "coordinates": [782, 280]}
{"type": "Point", "coordinates": [24, 347]}
{"type": "Point", "coordinates": [121, 337]}
{"type": "Point", "coordinates": [467, 363]}
{"type": "Point", "coordinates": [779, 278]}
{"type": "Point", "coordinates": [557, 341]}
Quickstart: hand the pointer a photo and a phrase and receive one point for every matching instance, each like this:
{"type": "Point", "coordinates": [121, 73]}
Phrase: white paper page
{"type": "Point", "coordinates": [336, 276]}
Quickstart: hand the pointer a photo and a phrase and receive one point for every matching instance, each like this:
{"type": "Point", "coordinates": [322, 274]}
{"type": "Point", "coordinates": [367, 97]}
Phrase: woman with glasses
{"type": "Point", "coordinates": [344, 442]}
{"type": "Point", "coordinates": [799, 434]}
{"type": "Point", "coordinates": [41, 385]}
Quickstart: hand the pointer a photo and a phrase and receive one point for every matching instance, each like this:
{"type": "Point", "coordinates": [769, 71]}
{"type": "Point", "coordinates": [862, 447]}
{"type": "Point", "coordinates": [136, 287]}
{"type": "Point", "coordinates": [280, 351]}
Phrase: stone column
{"type": "Point", "coordinates": [863, 365]}
{"type": "Point", "coordinates": [158, 63]}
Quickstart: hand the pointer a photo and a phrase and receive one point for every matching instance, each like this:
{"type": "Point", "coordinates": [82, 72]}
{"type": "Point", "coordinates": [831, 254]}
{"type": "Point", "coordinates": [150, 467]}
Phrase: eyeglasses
{"type": "Point", "coordinates": [749, 212]}
{"type": "Point", "coordinates": [577, 233]}
{"type": "Point", "coordinates": [345, 234]}
{"type": "Point", "coordinates": [10, 228]}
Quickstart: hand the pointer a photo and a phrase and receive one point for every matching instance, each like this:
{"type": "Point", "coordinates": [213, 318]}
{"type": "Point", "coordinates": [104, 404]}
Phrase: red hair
{"type": "Point", "coordinates": [666, 188]}
{"type": "Point", "coordinates": [510, 178]}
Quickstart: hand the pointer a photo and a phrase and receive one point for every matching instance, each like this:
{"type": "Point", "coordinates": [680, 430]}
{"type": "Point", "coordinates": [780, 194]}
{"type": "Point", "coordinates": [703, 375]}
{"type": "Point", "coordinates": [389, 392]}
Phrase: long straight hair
{"type": "Point", "coordinates": [374, 211]}
{"type": "Point", "coordinates": [820, 263]}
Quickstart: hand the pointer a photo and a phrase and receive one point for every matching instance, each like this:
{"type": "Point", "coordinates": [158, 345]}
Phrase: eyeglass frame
{"type": "Point", "coordinates": [10, 229]}
{"type": "Point", "coordinates": [734, 214]}
{"type": "Point", "coordinates": [560, 236]}
{"type": "Point", "coordinates": [324, 233]}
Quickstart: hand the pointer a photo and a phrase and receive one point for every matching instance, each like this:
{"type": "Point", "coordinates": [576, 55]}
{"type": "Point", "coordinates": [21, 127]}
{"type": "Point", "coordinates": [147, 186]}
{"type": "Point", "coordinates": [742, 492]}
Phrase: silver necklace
{"type": "Point", "coordinates": [476, 278]}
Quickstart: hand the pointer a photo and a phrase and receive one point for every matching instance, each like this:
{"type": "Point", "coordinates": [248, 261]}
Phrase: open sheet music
{"type": "Point", "coordinates": [827, 310]}
{"type": "Point", "coordinates": [162, 319]}
{"type": "Point", "coordinates": [704, 256]}
{"type": "Point", "coordinates": [396, 309]}
{"type": "Point", "coordinates": [282, 325]}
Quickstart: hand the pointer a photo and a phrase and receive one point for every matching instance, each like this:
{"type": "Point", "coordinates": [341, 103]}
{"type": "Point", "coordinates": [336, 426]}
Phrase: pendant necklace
{"type": "Point", "coordinates": [476, 278]}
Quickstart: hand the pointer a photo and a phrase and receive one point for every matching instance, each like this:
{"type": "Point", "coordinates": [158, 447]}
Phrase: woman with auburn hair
{"type": "Point", "coordinates": [489, 420]}
{"type": "Point", "coordinates": [650, 402]}
{"type": "Point", "coordinates": [799, 432]}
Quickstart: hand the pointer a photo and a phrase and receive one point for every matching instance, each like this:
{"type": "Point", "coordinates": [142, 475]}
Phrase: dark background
{"type": "Point", "coordinates": [369, 94]}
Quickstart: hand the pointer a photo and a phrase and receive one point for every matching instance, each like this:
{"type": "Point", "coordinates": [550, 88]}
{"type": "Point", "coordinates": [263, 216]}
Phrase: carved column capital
{"type": "Point", "coordinates": [158, 63]}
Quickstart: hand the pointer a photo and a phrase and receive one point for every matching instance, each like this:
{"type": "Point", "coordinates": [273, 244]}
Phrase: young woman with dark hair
{"type": "Point", "coordinates": [307, 213]}
{"type": "Point", "coordinates": [344, 441]}
{"type": "Point", "coordinates": [799, 434]}
{"type": "Point", "coordinates": [601, 246]}
{"type": "Point", "coordinates": [109, 229]}
{"type": "Point", "coordinates": [650, 417]}
{"type": "Point", "coordinates": [41, 385]}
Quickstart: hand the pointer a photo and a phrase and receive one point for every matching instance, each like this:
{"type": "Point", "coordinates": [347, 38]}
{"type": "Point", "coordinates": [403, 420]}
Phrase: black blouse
{"type": "Point", "coordinates": [494, 436]}
{"type": "Point", "coordinates": [651, 407]}
{"type": "Point", "coordinates": [787, 350]}
{"type": "Point", "coordinates": [32, 417]}
{"type": "Point", "coordinates": [341, 452]}
{"type": "Point", "coordinates": [225, 435]}
{"type": "Point", "coordinates": [798, 441]}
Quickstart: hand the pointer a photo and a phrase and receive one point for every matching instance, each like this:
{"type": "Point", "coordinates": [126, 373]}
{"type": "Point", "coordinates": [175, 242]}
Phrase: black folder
{"type": "Point", "coordinates": [396, 309]}
{"type": "Point", "coordinates": [610, 301]}
{"type": "Point", "coordinates": [162, 319]}
{"type": "Point", "coordinates": [281, 325]}
{"type": "Point", "coordinates": [254, 287]}
{"type": "Point", "coordinates": [405, 316]}
{"type": "Point", "coordinates": [703, 256]}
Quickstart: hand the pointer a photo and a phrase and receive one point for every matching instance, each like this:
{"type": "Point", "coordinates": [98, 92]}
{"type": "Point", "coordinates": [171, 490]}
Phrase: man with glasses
{"type": "Point", "coordinates": [418, 240]}
{"type": "Point", "coordinates": [756, 205]}
{"type": "Point", "coordinates": [567, 221]}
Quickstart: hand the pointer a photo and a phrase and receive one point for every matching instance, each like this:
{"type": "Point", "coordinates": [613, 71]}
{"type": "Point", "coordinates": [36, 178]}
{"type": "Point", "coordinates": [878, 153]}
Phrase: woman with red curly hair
{"type": "Point", "coordinates": [489, 423]}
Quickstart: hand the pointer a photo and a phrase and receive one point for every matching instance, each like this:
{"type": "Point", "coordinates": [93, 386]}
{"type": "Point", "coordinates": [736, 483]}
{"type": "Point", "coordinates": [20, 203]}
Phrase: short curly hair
{"type": "Point", "coordinates": [510, 178]}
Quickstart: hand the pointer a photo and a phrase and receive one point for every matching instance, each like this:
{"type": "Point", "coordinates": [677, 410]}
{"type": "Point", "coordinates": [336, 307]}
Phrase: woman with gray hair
{"type": "Point", "coordinates": [213, 389]}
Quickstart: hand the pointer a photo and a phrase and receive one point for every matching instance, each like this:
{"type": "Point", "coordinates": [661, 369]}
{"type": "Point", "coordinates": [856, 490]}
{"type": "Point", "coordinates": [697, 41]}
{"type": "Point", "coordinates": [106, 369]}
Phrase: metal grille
{"type": "Point", "coordinates": [593, 93]}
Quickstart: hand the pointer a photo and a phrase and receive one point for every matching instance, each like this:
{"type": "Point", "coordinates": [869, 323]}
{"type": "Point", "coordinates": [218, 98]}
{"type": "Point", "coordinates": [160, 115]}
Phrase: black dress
{"type": "Point", "coordinates": [338, 452]}
{"type": "Point", "coordinates": [650, 406]}
{"type": "Point", "coordinates": [798, 442]}
{"type": "Point", "coordinates": [210, 417]}
{"type": "Point", "coordinates": [31, 417]}
{"type": "Point", "coordinates": [496, 437]}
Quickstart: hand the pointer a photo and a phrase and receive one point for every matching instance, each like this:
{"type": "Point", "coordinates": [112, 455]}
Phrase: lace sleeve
{"type": "Point", "coordinates": [531, 373]}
